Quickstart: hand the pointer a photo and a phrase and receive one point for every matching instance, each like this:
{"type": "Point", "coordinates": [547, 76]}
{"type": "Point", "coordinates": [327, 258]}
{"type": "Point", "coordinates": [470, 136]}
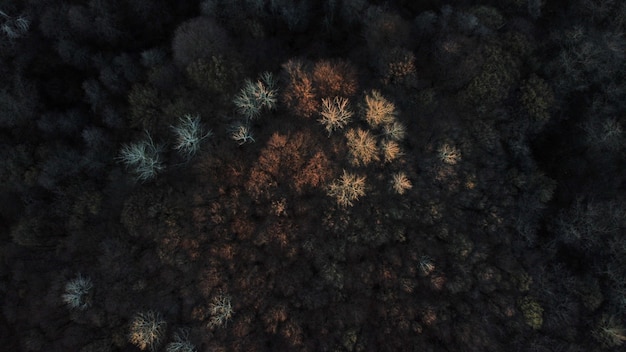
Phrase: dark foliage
{"type": "Point", "coordinates": [359, 175]}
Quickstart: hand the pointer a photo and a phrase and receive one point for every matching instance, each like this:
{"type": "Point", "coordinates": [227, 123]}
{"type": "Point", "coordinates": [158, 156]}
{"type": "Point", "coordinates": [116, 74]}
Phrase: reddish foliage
{"type": "Point", "coordinates": [334, 78]}
{"type": "Point", "coordinates": [299, 95]}
{"type": "Point", "coordinates": [288, 162]}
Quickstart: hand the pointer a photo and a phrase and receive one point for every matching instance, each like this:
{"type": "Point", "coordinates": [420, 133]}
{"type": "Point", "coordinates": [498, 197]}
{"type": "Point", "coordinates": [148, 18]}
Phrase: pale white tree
{"type": "Point", "coordinates": [255, 96]}
{"type": "Point", "coordinates": [221, 311]}
{"type": "Point", "coordinates": [77, 291]}
{"type": "Point", "coordinates": [181, 342]}
{"type": "Point", "coordinates": [143, 158]}
{"type": "Point", "coordinates": [189, 134]}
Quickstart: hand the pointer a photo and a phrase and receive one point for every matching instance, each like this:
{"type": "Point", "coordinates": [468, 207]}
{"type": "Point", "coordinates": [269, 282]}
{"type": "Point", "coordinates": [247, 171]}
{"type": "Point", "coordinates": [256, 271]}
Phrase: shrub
{"type": "Point", "coordinates": [378, 110]}
{"type": "Point", "coordinates": [77, 292]}
{"type": "Point", "coordinates": [147, 330]}
{"type": "Point", "coordinates": [362, 146]}
{"type": "Point", "coordinates": [335, 114]}
{"type": "Point", "coordinates": [142, 158]}
{"type": "Point", "coordinates": [400, 183]}
{"type": "Point", "coordinates": [255, 96]}
{"type": "Point", "coordinates": [189, 134]}
{"type": "Point", "coordinates": [347, 189]}
{"type": "Point", "coordinates": [221, 311]}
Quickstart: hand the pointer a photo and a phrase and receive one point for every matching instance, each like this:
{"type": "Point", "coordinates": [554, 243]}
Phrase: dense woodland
{"type": "Point", "coordinates": [302, 175]}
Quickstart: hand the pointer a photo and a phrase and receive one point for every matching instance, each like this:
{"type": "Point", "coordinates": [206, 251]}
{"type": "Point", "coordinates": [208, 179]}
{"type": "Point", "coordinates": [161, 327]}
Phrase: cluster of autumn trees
{"type": "Point", "coordinates": [229, 175]}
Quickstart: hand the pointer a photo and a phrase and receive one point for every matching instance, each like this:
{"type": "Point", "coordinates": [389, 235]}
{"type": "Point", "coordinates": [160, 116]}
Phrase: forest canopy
{"type": "Point", "coordinates": [300, 175]}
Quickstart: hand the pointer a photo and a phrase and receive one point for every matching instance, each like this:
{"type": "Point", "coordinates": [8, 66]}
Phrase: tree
{"type": "Point", "coordinates": [397, 67]}
{"type": "Point", "coordinates": [589, 224]}
{"type": "Point", "coordinates": [610, 332]}
{"type": "Point", "coordinates": [604, 133]}
{"type": "Point", "coordinates": [334, 78]}
{"type": "Point", "coordinates": [335, 114]}
{"type": "Point", "coordinates": [449, 154]}
{"type": "Point", "coordinates": [61, 163]}
{"type": "Point", "coordinates": [147, 330]}
{"type": "Point", "coordinates": [181, 343]}
{"type": "Point", "coordinates": [144, 103]}
{"type": "Point", "coordinates": [221, 311]}
{"type": "Point", "coordinates": [588, 57]}
{"type": "Point", "coordinates": [189, 133]}
{"type": "Point", "coordinates": [240, 133]}
{"type": "Point", "coordinates": [198, 38]}
{"type": "Point", "coordinates": [143, 158]}
{"type": "Point", "coordinates": [534, 8]}
{"type": "Point", "coordinates": [296, 14]}
{"type": "Point", "coordinates": [347, 189]}
{"type": "Point", "coordinates": [390, 150]}
{"type": "Point", "coordinates": [400, 183]}
{"type": "Point", "coordinates": [537, 99]}
{"type": "Point", "coordinates": [394, 131]}
{"type": "Point", "coordinates": [299, 94]}
{"type": "Point", "coordinates": [217, 75]}
{"type": "Point", "coordinates": [532, 311]}
{"type": "Point", "coordinates": [18, 103]}
{"type": "Point", "coordinates": [13, 27]}
{"type": "Point", "coordinates": [255, 96]}
{"type": "Point", "coordinates": [77, 291]}
{"type": "Point", "coordinates": [378, 110]}
{"type": "Point", "coordinates": [383, 29]}
{"type": "Point", "coordinates": [362, 147]}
